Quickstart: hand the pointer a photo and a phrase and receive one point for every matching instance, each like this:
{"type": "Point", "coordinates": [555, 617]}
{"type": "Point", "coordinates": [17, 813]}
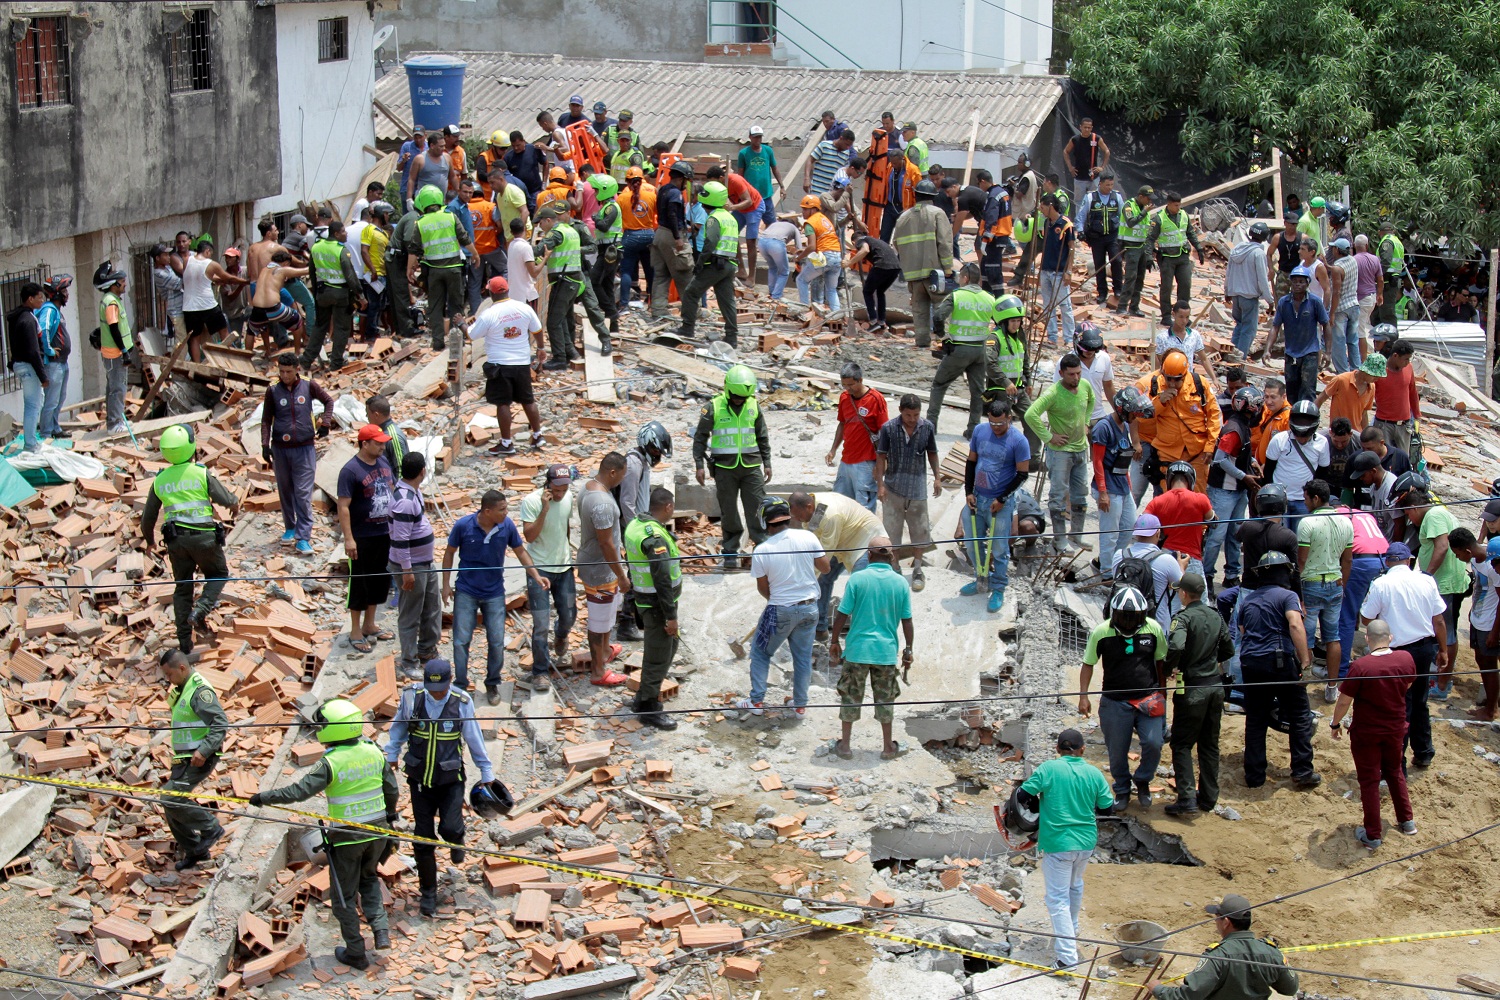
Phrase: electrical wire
{"type": "Point", "coordinates": [917, 914]}
{"type": "Point", "coordinates": [93, 988]}
{"type": "Point", "coordinates": [682, 557]}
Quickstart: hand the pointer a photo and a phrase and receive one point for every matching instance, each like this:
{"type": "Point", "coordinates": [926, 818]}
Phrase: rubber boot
{"type": "Point", "coordinates": [1075, 529]}
{"type": "Point", "coordinates": [427, 880]}
{"type": "Point", "coordinates": [651, 714]}
{"type": "Point", "coordinates": [1059, 539]}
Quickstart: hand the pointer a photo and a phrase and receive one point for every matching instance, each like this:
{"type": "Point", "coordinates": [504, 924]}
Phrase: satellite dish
{"type": "Point", "coordinates": [383, 35]}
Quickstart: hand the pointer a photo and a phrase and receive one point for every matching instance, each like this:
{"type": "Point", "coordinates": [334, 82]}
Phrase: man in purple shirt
{"type": "Point", "coordinates": [287, 445]}
{"type": "Point", "coordinates": [419, 592]}
{"type": "Point", "coordinates": [1371, 288]}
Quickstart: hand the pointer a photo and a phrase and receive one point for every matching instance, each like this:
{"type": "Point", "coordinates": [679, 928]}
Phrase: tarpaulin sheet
{"type": "Point", "coordinates": [1139, 152]}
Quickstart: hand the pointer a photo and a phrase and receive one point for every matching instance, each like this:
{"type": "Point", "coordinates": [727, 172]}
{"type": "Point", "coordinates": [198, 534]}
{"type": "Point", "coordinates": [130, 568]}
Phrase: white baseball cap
{"type": "Point", "coordinates": [757, 130]}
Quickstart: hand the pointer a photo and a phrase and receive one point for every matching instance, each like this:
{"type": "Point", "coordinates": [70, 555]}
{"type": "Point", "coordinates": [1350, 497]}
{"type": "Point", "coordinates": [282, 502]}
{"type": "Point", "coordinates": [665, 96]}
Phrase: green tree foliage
{"type": "Point", "coordinates": [1400, 98]}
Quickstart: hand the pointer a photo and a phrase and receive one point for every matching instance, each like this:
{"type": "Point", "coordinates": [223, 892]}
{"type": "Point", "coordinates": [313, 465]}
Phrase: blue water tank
{"type": "Point", "coordinates": [437, 90]}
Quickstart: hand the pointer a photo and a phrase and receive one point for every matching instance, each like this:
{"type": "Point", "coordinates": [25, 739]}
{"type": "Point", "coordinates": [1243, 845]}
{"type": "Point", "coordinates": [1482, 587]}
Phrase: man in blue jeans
{"type": "Point", "coordinates": [1232, 476]}
{"type": "Point", "coordinates": [479, 542]}
{"type": "Point", "coordinates": [785, 567]}
{"type": "Point", "coordinates": [25, 352]}
{"type": "Point", "coordinates": [1070, 790]}
{"type": "Point", "coordinates": [1130, 645]}
{"type": "Point", "coordinates": [1325, 554]}
{"type": "Point", "coordinates": [1300, 318]}
{"type": "Point", "coordinates": [998, 463]}
{"type": "Point", "coordinates": [546, 520]}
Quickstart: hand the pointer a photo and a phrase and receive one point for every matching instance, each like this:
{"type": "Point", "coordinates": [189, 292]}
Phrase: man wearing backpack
{"type": "Point", "coordinates": [1150, 569]}
{"type": "Point", "coordinates": [1130, 645]}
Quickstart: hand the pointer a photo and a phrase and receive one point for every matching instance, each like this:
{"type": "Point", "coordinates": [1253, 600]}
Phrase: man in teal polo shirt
{"type": "Point", "coordinates": [1070, 790]}
{"type": "Point", "coordinates": [875, 599]}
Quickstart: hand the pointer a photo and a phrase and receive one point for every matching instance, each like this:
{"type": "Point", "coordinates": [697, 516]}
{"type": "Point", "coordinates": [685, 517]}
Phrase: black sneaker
{"type": "Point", "coordinates": [492, 696]}
{"type": "Point", "coordinates": [1307, 781]}
{"type": "Point", "coordinates": [554, 365]}
{"type": "Point", "coordinates": [1181, 809]}
{"type": "Point", "coordinates": [1423, 760]}
{"type": "Point", "coordinates": [502, 449]}
{"type": "Point", "coordinates": [382, 939]}
{"type": "Point", "coordinates": [1143, 796]}
{"type": "Point", "coordinates": [342, 956]}
{"type": "Point", "coordinates": [651, 714]}
{"type": "Point", "coordinates": [627, 632]}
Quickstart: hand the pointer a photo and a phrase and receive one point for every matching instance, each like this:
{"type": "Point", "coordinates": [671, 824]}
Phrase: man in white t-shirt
{"type": "Point", "coordinates": [521, 266]}
{"type": "Point", "coordinates": [511, 331]}
{"type": "Point", "coordinates": [785, 567]}
{"type": "Point", "coordinates": [546, 523]}
{"type": "Point", "coordinates": [1098, 368]}
{"type": "Point", "coordinates": [1296, 456]}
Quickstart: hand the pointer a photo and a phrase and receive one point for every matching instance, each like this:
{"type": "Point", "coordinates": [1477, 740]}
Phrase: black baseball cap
{"type": "Point", "coordinates": [1069, 740]}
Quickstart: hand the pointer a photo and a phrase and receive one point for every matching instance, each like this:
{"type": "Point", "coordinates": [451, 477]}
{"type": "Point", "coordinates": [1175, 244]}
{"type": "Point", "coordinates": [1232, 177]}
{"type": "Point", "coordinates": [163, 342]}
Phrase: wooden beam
{"type": "Point", "coordinates": [146, 427]}
{"type": "Point", "coordinates": [161, 380]}
{"type": "Point", "coordinates": [598, 369]}
{"type": "Point", "coordinates": [542, 798]}
{"type": "Point", "coordinates": [1233, 185]}
{"type": "Point", "coordinates": [1279, 206]}
{"type": "Point", "coordinates": [391, 115]}
{"type": "Point", "coordinates": [973, 134]}
{"type": "Point", "coordinates": [796, 170]}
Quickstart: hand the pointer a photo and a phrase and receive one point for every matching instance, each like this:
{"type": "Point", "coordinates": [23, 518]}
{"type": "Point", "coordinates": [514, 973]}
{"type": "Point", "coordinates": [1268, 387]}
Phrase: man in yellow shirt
{"type": "Point", "coordinates": [374, 240]}
{"type": "Point", "coordinates": [844, 528]}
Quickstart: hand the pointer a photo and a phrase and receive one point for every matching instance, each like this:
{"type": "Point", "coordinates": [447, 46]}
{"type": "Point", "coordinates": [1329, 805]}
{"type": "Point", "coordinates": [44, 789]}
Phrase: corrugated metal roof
{"type": "Point", "coordinates": [718, 102]}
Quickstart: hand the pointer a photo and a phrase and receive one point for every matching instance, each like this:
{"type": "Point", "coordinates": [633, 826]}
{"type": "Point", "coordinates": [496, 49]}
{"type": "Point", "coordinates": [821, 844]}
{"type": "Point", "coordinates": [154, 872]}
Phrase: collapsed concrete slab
{"type": "Point", "coordinates": [23, 814]}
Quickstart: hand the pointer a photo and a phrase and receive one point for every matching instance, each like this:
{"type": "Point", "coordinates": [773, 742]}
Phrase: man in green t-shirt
{"type": "Point", "coordinates": [1071, 790]}
{"type": "Point", "coordinates": [1325, 554]}
{"type": "Point", "coordinates": [875, 600]}
{"type": "Point", "coordinates": [1435, 557]}
{"type": "Point", "coordinates": [1060, 417]}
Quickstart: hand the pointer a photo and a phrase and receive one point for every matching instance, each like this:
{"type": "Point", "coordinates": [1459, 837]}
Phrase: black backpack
{"type": "Point", "coordinates": [1135, 571]}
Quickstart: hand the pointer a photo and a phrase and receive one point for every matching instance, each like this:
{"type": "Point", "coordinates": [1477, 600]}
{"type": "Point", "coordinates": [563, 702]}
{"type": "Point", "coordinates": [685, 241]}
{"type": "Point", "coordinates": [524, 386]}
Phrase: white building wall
{"type": "Point", "coordinates": [325, 107]}
{"type": "Point", "coordinates": [948, 35]}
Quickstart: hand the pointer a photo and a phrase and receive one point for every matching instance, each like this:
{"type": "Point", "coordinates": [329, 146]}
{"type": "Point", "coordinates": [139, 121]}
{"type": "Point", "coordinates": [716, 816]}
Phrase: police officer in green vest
{"type": "Point", "coordinates": [183, 495]}
{"type": "Point", "coordinates": [916, 149]}
{"type": "Point", "coordinates": [403, 235]}
{"type": "Point", "coordinates": [1168, 236]}
{"type": "Point", "coordinates": [1007, 368]}
{"type": "Point", "coordinates": [732, 434]}
{"type": "Point", "coordinates": [1392, 253]}
{"type": "Point", "coordinates": [562, 250]}
{"type": "Point", "coordinates": [656, 584]}
{"type": "Point", "coordinates": [361, 788]}
{"type": "Point", "coordinates": [337, 290]}
{"type": "Point", "coordinates": [717, 266]}
{"type": "Point", "coordinates": [198, 729]}
{"type": "Point", "coordinates": [609, 230]}
{"type": "Point", "coordinates": [1240, 967]}
{"type": "Point", "coordinates": [435, 246]}
{"type": "Point", "coordinates": [433, 723]}
{"type": "Point", "coordinates": [613, 133]}
{"type": "Point", "coordinates": [1134, 221]}
{"type": "Point", "coordinates": [970, 314]}
{"type": "Point", "coordinates": [623, 155]}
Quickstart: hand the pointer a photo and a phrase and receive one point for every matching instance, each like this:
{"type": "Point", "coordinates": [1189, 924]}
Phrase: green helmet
{"type": "Point", "coordinates": [740, 381]}
{"type": "Point", "coordinates": [342, 720]}
{"type": "Point", "coordinates": [1317, 203]}
{"type": "Point", "coordinates": [1010, 307]}
{"type": "Point", "coordinates": [177, 444]}
{"type": "Point", "coordinates": [605, 186]}
{"type": "Point", "coordinates": [714, 195]}
{"type": "Point", "coordinates": [428, 197]}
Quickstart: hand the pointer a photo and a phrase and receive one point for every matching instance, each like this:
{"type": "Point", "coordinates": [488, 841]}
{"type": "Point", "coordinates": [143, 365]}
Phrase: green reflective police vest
{"type": "Point", "coordinates": [973, 311]}
{"type": "Point", "coordinates": [439, 232]}
{"type": "Point", "coordinates": [1398, 253]}
{"type": "Point", "coordinates": [919, 147]}
{"type": "Point", "coordinates": [608, 225]}
{"type": "Point", "coordinates": [106, 337]}
{"type": "Point", "coordinates": [733, 442]}
{"type": "Point", "coordinates": [729, 234]}
{"type": "Point", "coordinates": [325, 258]}
{"type": "Point", "coordinates": [1010, 356]}
{"type": "Point", "coordinates": [642, 527]}
{"type": "Point", "coordinates": [188, 730]}
{"type": "Point", "coordinates": [1134, 222]}
{"type": "Point", "coordinates": [357, 793]}
{"type": "Point", "coordinates": [183, 492]}
{"type": "Point", "coordinates": [567, 256]}
{"type": "Point", "coordinates": [1173, 236]}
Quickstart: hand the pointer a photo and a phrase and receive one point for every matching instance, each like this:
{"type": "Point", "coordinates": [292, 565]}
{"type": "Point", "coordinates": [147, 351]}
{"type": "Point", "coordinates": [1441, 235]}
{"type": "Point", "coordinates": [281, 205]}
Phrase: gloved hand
{"type": "Point", "coordinates": [388, 850]}
{"type": "Point", "coordinates": [255, 799]}
{"type": "Point", "coordinates": [1200, 256]}
{"type": "Point", "coordinates": [265, 453]}
{"type": "Point", "coordinates": [1151, 263]}
{"type": "Point", "coordinates": [324, 428]}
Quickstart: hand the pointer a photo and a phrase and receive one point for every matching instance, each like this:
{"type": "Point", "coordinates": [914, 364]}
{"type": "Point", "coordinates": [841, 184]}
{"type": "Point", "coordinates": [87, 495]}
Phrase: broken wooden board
{"type": "Point", "coordinates": [598, 368]}
{"type": "Point", "coordinates": [145, 427]}
{"type": "Point", "coordinates": [329, 463]}
{"type": "Point", "coordinates": [691, 368]}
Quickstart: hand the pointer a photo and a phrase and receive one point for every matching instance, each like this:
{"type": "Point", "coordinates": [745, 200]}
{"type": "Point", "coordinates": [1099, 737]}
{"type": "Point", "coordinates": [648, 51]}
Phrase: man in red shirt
{"type": "Point", "coordinates": [861, 415]}
{"type": "Point", "coordinates": [1396, 403]}
{"type": "Point", "coordinates": [1184, 515]}
{"type": "Point", "coordinates": [745, 205]}
{"type": "Point", "coordinates": [1377, 686]}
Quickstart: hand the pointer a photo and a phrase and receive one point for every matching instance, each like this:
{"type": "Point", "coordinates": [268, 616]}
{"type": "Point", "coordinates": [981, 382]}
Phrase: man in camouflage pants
{"type": "Point", "coordinates": [875, 599]}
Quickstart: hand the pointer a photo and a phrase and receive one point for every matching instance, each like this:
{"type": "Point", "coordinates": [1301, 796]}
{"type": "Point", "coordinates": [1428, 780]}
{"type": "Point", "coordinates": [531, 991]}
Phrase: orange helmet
{"type": "Point", "coordinates": [635, 173]}
{"type": "Point", "coordinates": [557, 174]}
{"type": "Point", "coordinates": [1175, 364]}
{"type": "Point", "coordinates": [812, 201]}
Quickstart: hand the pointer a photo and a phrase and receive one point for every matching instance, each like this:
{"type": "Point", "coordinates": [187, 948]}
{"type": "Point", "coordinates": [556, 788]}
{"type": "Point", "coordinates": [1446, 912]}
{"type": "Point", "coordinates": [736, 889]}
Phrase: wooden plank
{"type": "Point", "coordinates": [1244, 180]}
{"type": "Point", "coordinates": [796, 171]}
{"type": "Point", "coordinates": [598, 369]}
{"type": "Point", "coordinates": [973, 135]}
{"type": "Point", "coordinates": [326, 476]}
{"type": "Point", "coordinates": [542, 798]}
{"type": "Point", "coordinates": [145, 427]}
{"type": "Point", "coordinates": [689, 367]}
{"type": "Point", "coordinates": [161, 380]}
{"type": "Point", "coordinates": [1477, 984]}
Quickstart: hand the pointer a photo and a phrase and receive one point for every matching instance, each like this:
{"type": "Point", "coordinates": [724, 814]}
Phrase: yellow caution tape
{"type": "Point", "coordinates": [1398, 939]}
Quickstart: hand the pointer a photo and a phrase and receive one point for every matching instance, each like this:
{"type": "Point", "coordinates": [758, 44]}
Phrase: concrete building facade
{"type": "Point", "coordinates": [123, 124]}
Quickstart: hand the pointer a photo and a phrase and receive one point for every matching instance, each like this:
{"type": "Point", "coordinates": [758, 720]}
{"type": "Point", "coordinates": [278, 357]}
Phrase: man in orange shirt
{"type": "Point", "coordinates": [487, 248]}
{"type": "Point", "coordinates": [1351, 394]}
{"type": "Point", "coordinates": [1188, 420]}
{"type": "Point", "coordinates": [1275, 418]}
{"type": "Point", "coordinates": [638, 215]}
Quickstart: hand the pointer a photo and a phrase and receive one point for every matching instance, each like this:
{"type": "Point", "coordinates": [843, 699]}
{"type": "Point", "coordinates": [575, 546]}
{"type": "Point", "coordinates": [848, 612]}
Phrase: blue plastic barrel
{"type": "Point", "coordinates": [437, 90]}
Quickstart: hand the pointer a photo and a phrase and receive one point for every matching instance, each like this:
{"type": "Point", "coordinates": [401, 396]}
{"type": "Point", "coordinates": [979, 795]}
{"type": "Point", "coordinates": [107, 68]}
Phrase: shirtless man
{"type": "Point", "coordinates": [267, 306]}
{"type": "Point", "coordinates": [260, 253]}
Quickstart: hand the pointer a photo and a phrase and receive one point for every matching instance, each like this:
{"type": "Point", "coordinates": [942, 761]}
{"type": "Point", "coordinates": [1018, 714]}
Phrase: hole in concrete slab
{"type": "Point", "coordinates": [1127, 841]}
{"type": "Point", "coordinates": [965, 786]}
{"type": "Point", "coordinates": [974, 966]}
{"type": "Point", "coordinates": [1073, 637]}
{"type": "Point", "coordinates": [907, 847]}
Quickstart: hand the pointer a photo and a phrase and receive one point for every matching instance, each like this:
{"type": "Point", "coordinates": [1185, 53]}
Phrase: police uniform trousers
{"type": "Point", "coordinates": [563, 290]}
{"type": "Point", "coordinates": [658, 652]}
{"type": "Point", "coordinates": [1176, 270]}
{"type": "Point", "coordinates": [437, 811]}
{"type": "Point", "coordinates": [717, 273]}
{"type": "Point", "coordinates": [1106, 249]}
{"type": "Point", "coordinates": [356, 886]}
{"type": "Point", "coordinates": [334, 310]}
{"type": "Point", "coordinates": [1196, 714]}
{"type": "Point", "coordinates": [190, 823]}
{"type": "Point", "coordinates": [669, 263]}
{"type": "Point", "coordinates": [1386, 311]}
{"type": "Point", "coordinates": [445, 294]}
{"type": "Point", "coordinates": [602, 278]}
{"type": "Point", "coordinates": [190, 551]}
{"type": "Point", "coordinates": [398, 293]}
{"type": "Point", "coordinates": [590, 301]}
{"type": "Point", "coordinates": [971, 362]}
{"type": "Point", "coordinates": [746, 484]}
{"type": "Point", "coordinates": [1134, 255]}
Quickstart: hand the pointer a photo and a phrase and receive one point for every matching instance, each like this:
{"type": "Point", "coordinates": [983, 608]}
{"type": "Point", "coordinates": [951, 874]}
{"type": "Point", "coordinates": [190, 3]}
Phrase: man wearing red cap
{"type": "Point", "coordinates": [366, 485]}
{"type": "Point", "coordinates": [512, 334]}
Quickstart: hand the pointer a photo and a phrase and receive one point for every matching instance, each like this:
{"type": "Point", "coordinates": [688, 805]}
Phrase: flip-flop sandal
{"type": "Point", "coordinates": [902, 749]}
{"type": "Point", "coordinates": [615, 649]}
{"type": "Point", "coordinates": [833, 748]}
{"type": "Point", "coordinates": [361, 645]}
{"type": "Point", "coordinates": [610, 679]}
{"type": "Point", "coordinates": [385, 635]}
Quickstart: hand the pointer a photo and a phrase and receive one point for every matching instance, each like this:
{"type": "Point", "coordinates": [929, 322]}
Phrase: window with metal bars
{"type": "Point", "coordinates": [190, 62]}
{"type": "Point", "coordinates": [43, 79]}
{"type": "Point", "coordinates": [10, 299]}
{"type": "Point", "coordinates": [333, 39]}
